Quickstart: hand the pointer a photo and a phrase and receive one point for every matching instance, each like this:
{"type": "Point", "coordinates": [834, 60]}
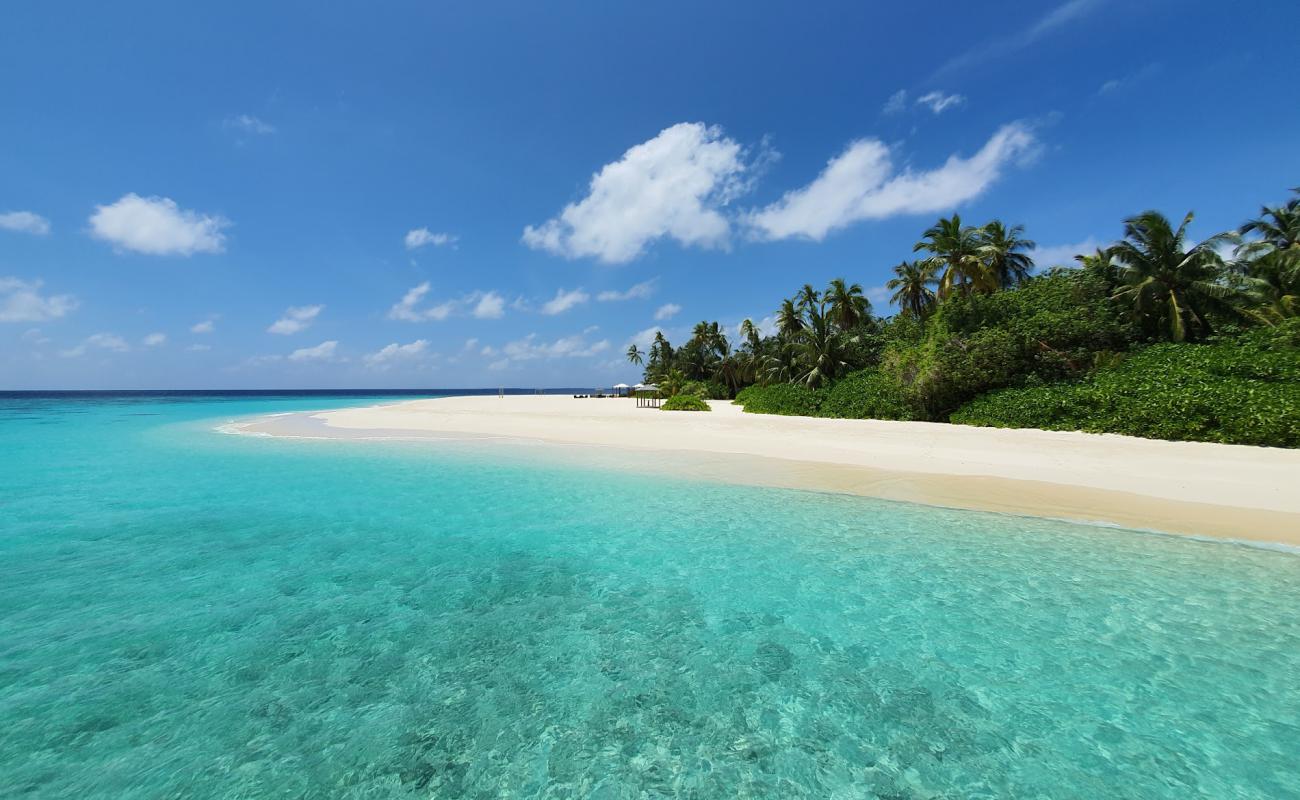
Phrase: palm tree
{"type": "Point", "coordinates": [789, 320]}
{"type": "Point", "coordinates": [752, 338]}
{"type": "Point", "coordinates": [1278, 228]}
{"type": "Point", "coordinates": [820, 350]}
{"type": "Point", "coordinates": [849, 306]}
{"type": "Point", "coordinates": [1272, 286]}
{"type": "Point", "coordinates": [955, 248]}
{"type": "Point", "coordinates": [634, 355]}
{"type": "Point", "coordinates": [1168, 287]}
{"type": "Point", "coordinates": [1000, 251]}
{"type": "Point", "coordinates": [807, 297]}
{"type": "Point", "coordinates": [911, 289]}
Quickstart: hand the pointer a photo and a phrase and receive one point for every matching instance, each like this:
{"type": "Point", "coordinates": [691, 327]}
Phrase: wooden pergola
{"type": "Point", "coordinates": [647, 395]}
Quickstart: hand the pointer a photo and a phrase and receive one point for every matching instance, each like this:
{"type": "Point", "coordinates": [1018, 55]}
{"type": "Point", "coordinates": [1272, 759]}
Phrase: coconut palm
{"type": "Point", "coordinates": [635, 355]}
{"type": "Point", "coordinates": [1000, 250]}
{"type": "Point", "coordinates": [1272, 286]}
{"type": "Point", "coordinates": [789, 320]}
{"type": "Point", "coordinates": [911, 289]}
{"type": "Point", "coordinates": [849, 306]}
{"type": "Point", "coordinates": [807, 297]}
{"type": "Point", "coordinates": [956, 251]}
{"type": "Point", "coordinates": [820, 349]}
{"type": "Point", "coordinates": [1169, 288]}
{"type": "Point", "coordinates": [1278, 228]}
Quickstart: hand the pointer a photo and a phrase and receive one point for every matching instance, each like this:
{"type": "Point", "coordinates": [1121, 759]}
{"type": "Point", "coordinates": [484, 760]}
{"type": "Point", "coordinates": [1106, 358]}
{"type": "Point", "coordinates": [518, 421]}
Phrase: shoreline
{"type": "Point", "coordinates": [1224, 492]}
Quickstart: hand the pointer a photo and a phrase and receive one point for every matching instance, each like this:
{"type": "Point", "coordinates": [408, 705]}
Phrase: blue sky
{"type": "Point", "coordinates": [482, 194]}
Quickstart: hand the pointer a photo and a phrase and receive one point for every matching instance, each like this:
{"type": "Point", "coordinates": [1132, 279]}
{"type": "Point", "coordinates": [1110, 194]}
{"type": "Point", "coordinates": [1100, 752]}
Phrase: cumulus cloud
{"type": "Point", "coordinates": [22, 301]}
{"type": "Point", "coordinates": [1062, 255]}
{"type": "Point", "coordinates": [295, 319]}
{"type": "Point", "coordinates": [24, 222]}
{"type": "Point", "coordinates": [644, 338]}
{"type": "Point", "coordinates": [420, 237]}
{"type": "Point", "coordinates": [321, 352]}
{"type": "Point", "coordinates": [565, 300]}
{"type": "Point", "coordinates": [861, 184]}
{"type": "Point", "coordinates": [667, 311]}
{"type": "Point", "coordinates": [938, 102]}
{"type": "Point", "coordinates": [575, 346]}
{"type": "Point", "coordinates": [247, 123]}
{"type": "Point", "coordinates": [98, 341]}
{"type": "Point", "coordinates": [394, 353]}
{"type": "Point", "coordinates": [206, 326]}
{"type": "Point", "coordinates": [154, 340]}
{"type": "Point", "coordinates": [635, 292]}
{"type": "Point", "coordinates": [672, 186]}
{"type": "Point", "coordinates": [157, 226]}
{"type": "Point", "coordinates": [488, 305]}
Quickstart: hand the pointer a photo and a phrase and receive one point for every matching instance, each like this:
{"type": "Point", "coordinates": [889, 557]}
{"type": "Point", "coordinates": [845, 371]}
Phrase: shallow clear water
{"type": "Point", "coordinates": [185, 613]}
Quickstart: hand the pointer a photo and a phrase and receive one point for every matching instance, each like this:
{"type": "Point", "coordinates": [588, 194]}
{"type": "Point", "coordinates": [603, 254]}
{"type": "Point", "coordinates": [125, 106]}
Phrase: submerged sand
{"type": "Point", "coordinates": [1228, 491]}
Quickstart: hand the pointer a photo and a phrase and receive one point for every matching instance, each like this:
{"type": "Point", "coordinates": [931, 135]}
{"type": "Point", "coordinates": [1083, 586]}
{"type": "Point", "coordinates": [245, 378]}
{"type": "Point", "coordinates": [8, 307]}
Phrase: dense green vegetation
{"type": "Point", "coordinates": [1152, 336]}
{"type": "Point", "coordinates": [684, 402]}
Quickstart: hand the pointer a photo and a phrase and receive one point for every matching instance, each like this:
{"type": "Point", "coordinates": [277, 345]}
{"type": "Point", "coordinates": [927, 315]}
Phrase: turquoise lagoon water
{"type": "Point", "coordinates": [190, 614]}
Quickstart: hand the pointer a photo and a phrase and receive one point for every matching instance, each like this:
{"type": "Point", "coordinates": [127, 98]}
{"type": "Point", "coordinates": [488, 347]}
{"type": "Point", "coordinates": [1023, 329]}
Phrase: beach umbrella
{"type": "Point", "coordinates": [621, 386]}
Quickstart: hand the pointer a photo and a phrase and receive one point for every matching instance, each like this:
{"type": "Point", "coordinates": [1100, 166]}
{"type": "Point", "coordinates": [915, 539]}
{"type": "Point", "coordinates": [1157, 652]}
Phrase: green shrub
{"type": "Point", "coordinates": [710, 390]}
{"type": "Point", "coordinates": [1244, 390]}
{"type": "Point", "coordinates": [790, 399]}
{"type": "Point", "coordinates": [685, 402]}
{"type": "Point", "coordinates": [869, 394]}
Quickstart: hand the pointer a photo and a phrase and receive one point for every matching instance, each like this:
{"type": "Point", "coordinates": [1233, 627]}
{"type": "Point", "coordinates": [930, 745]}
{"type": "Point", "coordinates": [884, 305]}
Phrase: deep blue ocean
{"type": "Point", "coordinates": [187, 613]}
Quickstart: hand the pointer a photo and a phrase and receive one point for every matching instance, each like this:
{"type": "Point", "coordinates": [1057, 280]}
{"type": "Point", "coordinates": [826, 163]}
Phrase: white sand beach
{"type": "Point", "coordinates": [1228, 491]}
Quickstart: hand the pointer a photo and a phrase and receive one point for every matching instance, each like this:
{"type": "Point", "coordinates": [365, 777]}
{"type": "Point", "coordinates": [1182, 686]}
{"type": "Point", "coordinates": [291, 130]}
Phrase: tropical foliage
{"type": "Point", "coordinates": [684, 402]}
{"type": "Point", "coordinates": [1156, 335]}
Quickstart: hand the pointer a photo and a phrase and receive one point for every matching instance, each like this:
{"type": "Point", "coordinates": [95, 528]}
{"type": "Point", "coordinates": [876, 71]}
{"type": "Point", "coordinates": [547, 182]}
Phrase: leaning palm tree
{"type": "Point", "coordinates": [849, 306]}
{"type": "Point", "coordinates": [1278, 228]}
{"type": "Point", "coordinates": [753, 340]}
{"type": "Point", "coordinates": [1170, 288]}
{"type": "Point", "coordinates": [635, 355]}
{"type": "Point", "coordinates": [955, 248]}
{"type": "Point", "coordinates": [1000, 248]}
{"type": "Point", "coordinates": [911, 289]}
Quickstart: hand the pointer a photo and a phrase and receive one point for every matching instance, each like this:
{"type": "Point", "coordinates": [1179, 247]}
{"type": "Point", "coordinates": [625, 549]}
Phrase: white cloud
{"type": "Point", "coordinates": [575, 346]}
{"type": "Point", "coordinates": [1002, 46]}
{"type": "Point", "coordinates": [199, 348]}
{"type": "Point", "coordinates": [391, 354]}
{"type": "Point", "coordinates": [24, 222]}
{"type": "Point", "coordinates": [939, 102]}
{"type": "Point", "coordinates": [35, 336]}
{"type": "Point", "coordinates": [206, 326]}
{"type": "Point", "coordinates": [157, 226]}
{"type": "Point", "coordinates": [98, 341]}
{"type": "Point", "coordinates": [1127, 81]}
{"type": "Point", "coordinates": [419, 237]}
{"type": "Point", "coordinates": [1062, 255]}
{"type": "Point", "coordinates": [635, 292]}
{"type": "Point", "coordinates": [321, 352]}
{"type": "Point", "coordinates": [670, 186]}
{"type": "Point", "coordinates": [483, 305]}
{"type": "Point", "coordinates": [897, 103]}
{"type": "Point", "coordinates": [154, 340]}
{"type": "Point", "coordinates": [247, 123]}
{"type": "Point", "coordinates": [295, 319]}
{"type": "Point", "coordinates": [22, 301]}
{"type": "Point", "coordinates": [563, 301]}
{"type": "Point", "coordinates": [643, 339]}
{"type": "Point", "coordinates": [667, 311]}
{"type": "Point", "coordinates": [860, 184]}
{"type": "Point", "coordinates": [471, 343]}
{"type": "Point", "coordinates": [489, 305]}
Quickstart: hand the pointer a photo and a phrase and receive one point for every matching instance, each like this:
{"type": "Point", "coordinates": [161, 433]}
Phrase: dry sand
{"type": "Point", "coordinates": [1227, 491]}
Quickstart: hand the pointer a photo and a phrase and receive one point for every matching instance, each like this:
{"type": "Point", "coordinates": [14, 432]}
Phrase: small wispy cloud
{"type": "Point", "coordinates": [324, 351]}
{"type": "Point", "coordinates": [479, 304]}
{"type": "Point", "coordinates": [394, 353]}
{"type": "Point", "coordinates": [154, 339]}
{"type": "Point", "coordinates": [98, 341]}
{"type": "Point", "coordinates": [636, 291]}
{"type": "Point", "coordinates": [897, 103]}
{"type": "Point", "coordinates": [248, 124]}
{"type": "Point", "coordinates": [1062, 255]}
{"type": "Point", "coordinates": [295, 319]}
{"type": "Point", "coordinates": [565, 300]}
{"type": "Point", "coordinates": [1116, 85]}
{"type": "Point", "coordinates": [22, 301]}
{"type": "Point", "coordinates": [667, 311]}
{"type": "Point", "coordinates": [206, 326]}
{"type": "Point", "coordinates": [24, 222]}
{"type": "Point", "coordinates": [422, 237]}
{"type": "Point", "coordinates": [1003, 46]}
{"type": "Point", "coordinates": [938, 102]}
